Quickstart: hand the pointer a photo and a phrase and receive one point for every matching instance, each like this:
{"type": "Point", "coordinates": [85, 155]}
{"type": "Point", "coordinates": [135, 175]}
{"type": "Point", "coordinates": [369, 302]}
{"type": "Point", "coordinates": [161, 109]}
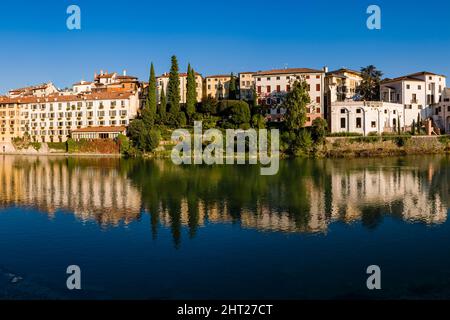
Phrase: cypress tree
{"type": "Point", "coordinates": [173, 89]}
{"type": "Point", "coordinates": [191, 93]}
{"type": "Point", "coordinates": [232, 89]}
{"type": "Point", "coordinates": [162, 106]}
{"type": "Point", "coordinates": [418, 124]}
{"type": "Point", "coordinates": [149, 112]}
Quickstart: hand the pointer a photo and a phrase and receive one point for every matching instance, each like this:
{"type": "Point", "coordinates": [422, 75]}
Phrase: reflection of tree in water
{"type": "Point", "coordinates": [305, 196]}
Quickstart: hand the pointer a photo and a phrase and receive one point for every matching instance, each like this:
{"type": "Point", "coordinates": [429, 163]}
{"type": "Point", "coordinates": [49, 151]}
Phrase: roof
{"type": "Point", "coordinates": [248, 72]}
{"type": "Point", "coordinates": [425, 73]}
{"type": "Point", "coordinates": [344, 70]}
{"type": "Point", "coordinates": [83, 83]}
{"type": "Point", "coordinates": [183, 74]}
{"type": "Point", "coordinates": [106, 75]}
{"type": "Point", "coordinates": [100, 129]}
{"type": "Point", "coordinates": [126, 77]}
{"type": "Point", "coordinates": [36, 87]}
{"type": "Point", "coordinates": [219, 76]}
{"type": "Point", "coordinates": [287, 71]}
{"type": "Point", "coordinates": [404, 78]}
{"type": "Point", "coordinates": [69, 98]}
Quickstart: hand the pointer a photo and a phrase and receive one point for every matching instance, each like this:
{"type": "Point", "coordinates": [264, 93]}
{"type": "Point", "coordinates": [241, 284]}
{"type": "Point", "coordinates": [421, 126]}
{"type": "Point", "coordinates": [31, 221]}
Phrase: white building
{"type": "Point", "coordinates": [37, 91]}
{"type": "Point", "coordinates": [369, 117]}
{"type": "Point", "coordinates": [273, 85]}
{"type": "Point", "coordinates": [418, 92]}
{"type": "Point", "coordinates": [53, 118]}
{"type": "Point", "coordinates": [441, 114]}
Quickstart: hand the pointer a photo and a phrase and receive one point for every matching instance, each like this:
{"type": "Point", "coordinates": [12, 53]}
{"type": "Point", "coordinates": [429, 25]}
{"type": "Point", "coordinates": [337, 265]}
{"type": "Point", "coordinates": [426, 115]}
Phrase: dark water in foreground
{"type": "Point", "coordinates": [152, 230]}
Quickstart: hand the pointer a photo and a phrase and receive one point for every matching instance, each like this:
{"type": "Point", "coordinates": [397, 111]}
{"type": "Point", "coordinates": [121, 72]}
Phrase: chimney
{"type": "Point", "coordinates": [125, 72]}
{"type": "Point", "coordinates": [101, 72]}
{"type": "Point", "coordinates": [325, 69]}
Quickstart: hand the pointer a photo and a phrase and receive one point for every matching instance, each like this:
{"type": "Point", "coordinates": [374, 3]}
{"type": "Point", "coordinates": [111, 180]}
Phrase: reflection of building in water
{"type": "Point", "coordinates": [355, 191]}
{"type": "Point", "coordinates": [91, 192]}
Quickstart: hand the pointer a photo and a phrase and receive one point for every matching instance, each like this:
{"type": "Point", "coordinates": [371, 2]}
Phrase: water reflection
{"type": "Point", "coordinates": [306, 195]}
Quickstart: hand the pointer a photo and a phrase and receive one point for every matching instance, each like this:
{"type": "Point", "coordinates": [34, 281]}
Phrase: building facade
{"type": "Point", "coordinates": [273, 85]}
{"type": "Point", "coordinates": [217, 86]}
{"type": "Point", "coordinates": [53, 118]}
{"type": "Point", "coordinates": [441, 113]}
{"type": "Point", "coordinates": [366, 117]}
{"type": "Point", "coordinates": [163, 81]}
{"type": "Point", "coordinates": [246, 86]}
{"type": "Point", "coordinates": [418, 92]}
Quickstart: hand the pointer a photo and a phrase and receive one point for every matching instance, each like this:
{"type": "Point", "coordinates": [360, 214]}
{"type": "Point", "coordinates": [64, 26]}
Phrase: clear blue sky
{"type": "Point", "coordinates": [217, 37]}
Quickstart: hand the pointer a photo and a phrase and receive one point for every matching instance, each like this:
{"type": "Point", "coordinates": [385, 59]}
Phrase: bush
{"type": "Point", "coordinates": [258, 121]}
{"type": "Point", "coordinates": [236, 113]}
{"type": "Point", "coordinates": [401, 140]}
{"type": "Point", "coordinates": [62, 146]}
{"type": "Point", "coordinates": [319, 129]}
{"type": "Point", "coordinates": [36, 145]}
{"type": "Point", "coordinates": [345, 134]}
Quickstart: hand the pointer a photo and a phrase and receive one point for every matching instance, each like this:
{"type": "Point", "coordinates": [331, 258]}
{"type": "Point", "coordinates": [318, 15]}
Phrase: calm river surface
{"type": "Point", "coordinates": [152, 230]}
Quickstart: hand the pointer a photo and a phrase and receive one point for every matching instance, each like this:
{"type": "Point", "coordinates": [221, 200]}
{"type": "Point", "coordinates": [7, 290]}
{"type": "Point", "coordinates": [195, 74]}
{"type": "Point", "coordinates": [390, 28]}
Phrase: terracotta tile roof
{"type": "Point", "coordinates": [126, 77]}
{"type": "Point", "coordinates": [101, 129]}
{"type": "Point", "coordinates": [287, 71]}
{"type": "Point", "coordinates": [248, 72]}
{"type": "Point", "coordinates": [404, 78]}
{"type": "Point", "coordinates": [344, 70]}
{"type": "Point", "coordinates": [85, 83]}
{"type": "Point", "coordinates": [106, 75]}
{"type": "Point", "coordinates": [219, 76]}
{"type": "Point", "coordinates": [425, 73]}
{"type": "Point", "coordinates": [183, 74]}
{"type": "Point", "coordinates": [70, 98]}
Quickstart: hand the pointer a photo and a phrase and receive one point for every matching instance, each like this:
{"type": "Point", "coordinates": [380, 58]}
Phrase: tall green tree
{"type": "Point", "coordinates": [191, 93]}
{"type": "Point", "coordinates": [232, 90]}
{"type": "Point", "coordinates": [173, 89]}
{"type": "Point", "coordinates": [295, 104]}
{"type": "Point", "coordinates": [369, 89]}
{"type": "Point", "coordinates": [162, 106]}
{"type": "Point", "coordinates": [149, 112]}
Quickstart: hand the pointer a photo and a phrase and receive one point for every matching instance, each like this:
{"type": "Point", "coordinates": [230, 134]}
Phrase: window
{"type": "Point", "coordinates": [373, 124]}
{"type": "Point", "coordinates": [288, 88]}
{"type": "Point", "coordinates": [408, 86]}
{"type": "Point", "coordinates": [268, 78]}
{"type": "Point", "coordinates": [317, 99]}
{"type": "Point", "coordinates": [358, 110]}
{"type": "Point", "coordinates": [278, 78]}
{"type": "Point", "coordinates": [419, 87]}
{"type": "Point", "coordinates": [342, 110]}
{"type": "Point", "coordinates": [358, 122]}
{"type": "Point", "coordinates": [342, 123]}
{"type": "Point", "coordinates": [307, 77]}
{"type": "Point", "coordinates": [269, 89]}
{"type": "Point", "coordinates": [318, 87]}
{"type": "Point", "coordinates": [259, 89]}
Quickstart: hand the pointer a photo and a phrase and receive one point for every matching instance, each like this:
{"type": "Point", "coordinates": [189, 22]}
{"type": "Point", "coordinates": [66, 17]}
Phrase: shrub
{"type": "Point", "coordinates": [62, 146]}
{"type": "Point", "coordinates": [345, 134]}
{"type": "Point", "coordinates": [319, 129]}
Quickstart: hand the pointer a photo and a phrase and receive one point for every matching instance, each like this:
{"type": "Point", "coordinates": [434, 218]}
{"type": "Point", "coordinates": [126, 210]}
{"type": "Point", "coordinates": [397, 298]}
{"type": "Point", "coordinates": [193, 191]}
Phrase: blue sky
{"type": "Point", "coordinates": [217, 37]}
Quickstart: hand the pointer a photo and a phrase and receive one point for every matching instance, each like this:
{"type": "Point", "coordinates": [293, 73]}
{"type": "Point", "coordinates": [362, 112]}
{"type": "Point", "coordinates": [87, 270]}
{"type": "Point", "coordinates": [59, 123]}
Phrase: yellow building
{"type": "Point", "coordinates": [217, 86]}
{"type": "Point", "coordinates": [9, 123]}
{"type": "Point", "coordinates": [246, 85]}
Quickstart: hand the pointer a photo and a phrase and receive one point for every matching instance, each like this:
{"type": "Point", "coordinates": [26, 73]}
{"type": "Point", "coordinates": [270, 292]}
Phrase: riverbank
{"type": "Point", "coordinates": [333, 147]}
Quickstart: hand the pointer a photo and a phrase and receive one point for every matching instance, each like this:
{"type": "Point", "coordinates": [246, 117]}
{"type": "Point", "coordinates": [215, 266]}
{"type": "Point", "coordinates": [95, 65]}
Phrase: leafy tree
{"type": "Point", "coordinates": [208, 106]}
{"type": "Point", "coordinates": [191, 93]}
{"type": "Point", "coordinates": [258, 121]}
{"type": "Point", "coordinates": [235, 112]}
{"type": "Point", "coordinates": [369, 89]}
{"type": "Point", "coordinates": [319, 130]}
{"type": "Point", "coordinates": [143, 138]}
{"type": "Point", "coordinates": [232, 90]}
{"type": "Point", "coordinates": [149, 111]}
{"type": "Point", "coordinates": [173, 88]}
{"type": "Point", "coordinates": [295, 104]}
